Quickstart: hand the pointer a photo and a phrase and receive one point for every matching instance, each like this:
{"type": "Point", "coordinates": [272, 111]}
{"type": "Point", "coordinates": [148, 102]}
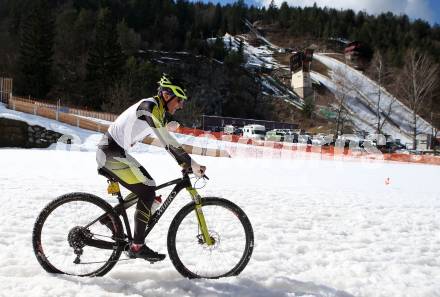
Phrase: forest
{"type": "Point", "coordinates": [86, 52]}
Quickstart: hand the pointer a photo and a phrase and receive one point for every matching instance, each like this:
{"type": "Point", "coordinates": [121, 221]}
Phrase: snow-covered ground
{"type": "Point", "coordinates": [84, 139]}
{"type": "Point", "coordinates": [322, 228]}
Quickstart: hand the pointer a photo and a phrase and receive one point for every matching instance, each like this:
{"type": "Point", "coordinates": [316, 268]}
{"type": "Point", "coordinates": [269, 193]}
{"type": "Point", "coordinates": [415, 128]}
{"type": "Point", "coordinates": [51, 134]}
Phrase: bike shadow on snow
{"type": "Point", "coordinates": [170, 284]}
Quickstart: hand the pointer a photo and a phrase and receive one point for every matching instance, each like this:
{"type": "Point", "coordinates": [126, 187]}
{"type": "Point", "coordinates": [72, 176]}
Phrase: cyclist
{"type": "Point", "coordinates": [144, 118]}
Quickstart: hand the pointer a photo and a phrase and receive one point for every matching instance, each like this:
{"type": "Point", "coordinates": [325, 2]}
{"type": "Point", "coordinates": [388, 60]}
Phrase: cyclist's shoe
{"type": "Point", "coordinates": [144, 252]}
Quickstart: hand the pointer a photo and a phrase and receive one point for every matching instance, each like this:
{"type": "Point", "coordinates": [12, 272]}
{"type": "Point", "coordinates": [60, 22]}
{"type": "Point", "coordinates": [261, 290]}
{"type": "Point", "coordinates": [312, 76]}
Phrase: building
{"type": "Point", "coordinates": [358, 54]}
{"type": "Point", "coordinates": [301, 81]}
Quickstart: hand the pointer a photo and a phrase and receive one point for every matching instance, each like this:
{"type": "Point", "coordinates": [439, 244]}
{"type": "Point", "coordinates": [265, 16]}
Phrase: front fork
{"type": "Point", "coordinates": [200, 217]}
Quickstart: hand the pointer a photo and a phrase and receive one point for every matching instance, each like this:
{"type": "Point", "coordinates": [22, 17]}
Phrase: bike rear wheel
{"type": "Point", "coordinates": [63, 231]}
{"type": "Point", "coordinates": [228, 227]}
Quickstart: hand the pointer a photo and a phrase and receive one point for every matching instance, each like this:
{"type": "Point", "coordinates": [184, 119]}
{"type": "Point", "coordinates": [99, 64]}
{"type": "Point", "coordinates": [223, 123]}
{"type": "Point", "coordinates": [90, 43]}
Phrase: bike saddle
{"type": "Point", "coordinates": [104, 172]}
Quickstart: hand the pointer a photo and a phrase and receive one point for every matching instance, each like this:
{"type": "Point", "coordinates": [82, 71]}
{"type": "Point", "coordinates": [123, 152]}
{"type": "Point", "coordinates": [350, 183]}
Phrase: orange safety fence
{"type": "Point", "coordinates": [425, 159]}
{"type": "Point", "coordinates": [327, 152]}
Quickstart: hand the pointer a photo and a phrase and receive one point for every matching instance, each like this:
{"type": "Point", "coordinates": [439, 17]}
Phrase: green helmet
{"type": "Point", "coordinates": [173, 85]}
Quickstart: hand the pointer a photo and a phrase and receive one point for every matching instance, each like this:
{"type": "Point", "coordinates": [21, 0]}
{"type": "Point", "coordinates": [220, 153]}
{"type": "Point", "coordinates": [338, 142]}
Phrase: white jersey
{"type": "Point", "coordinates": [128, 129]}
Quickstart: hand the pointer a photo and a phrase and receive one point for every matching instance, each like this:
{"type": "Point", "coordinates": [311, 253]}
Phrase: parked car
{"type": "Point", "coordinates": [254, 131]}
{"type": "Point", "coordinates": [228, 129]}
{"type": "Point", "coordinates": [238, 131]}
{"type": "Point", "coordinates": [305, 139]}
{"type": "Point", "coordinates": [276, 135]}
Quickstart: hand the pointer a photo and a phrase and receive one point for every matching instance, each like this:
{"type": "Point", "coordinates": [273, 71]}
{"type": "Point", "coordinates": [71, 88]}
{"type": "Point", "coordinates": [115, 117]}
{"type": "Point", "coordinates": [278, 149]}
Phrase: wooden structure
{"type": "Point", "coordinates": [5, 89]}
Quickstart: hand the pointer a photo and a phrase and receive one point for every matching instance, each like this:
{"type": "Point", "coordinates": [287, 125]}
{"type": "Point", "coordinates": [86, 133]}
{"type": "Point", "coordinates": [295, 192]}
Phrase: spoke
{"type": "Point", "coordinates": [220, 258]}
{"type": "Point", "coordinates": [67, 220]}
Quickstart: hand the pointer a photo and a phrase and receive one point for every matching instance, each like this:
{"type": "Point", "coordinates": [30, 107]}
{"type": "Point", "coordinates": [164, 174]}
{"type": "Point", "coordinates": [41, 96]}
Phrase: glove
{"type": "Point", "coordinates": [197, 169]}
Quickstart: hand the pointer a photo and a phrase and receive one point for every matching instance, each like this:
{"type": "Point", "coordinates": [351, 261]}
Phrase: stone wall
{"type": "Point", "coordinates": [14, 133]}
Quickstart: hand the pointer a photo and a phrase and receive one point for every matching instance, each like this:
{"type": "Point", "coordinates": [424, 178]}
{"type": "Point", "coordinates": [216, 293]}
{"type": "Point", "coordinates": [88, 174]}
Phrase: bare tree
{"type": "Point", "coordinates": [343, 86]}
{"type": "Point", "coordinates": [379, 72]}
{"type": "Point", "coordinates": [417, 83]}
{"type": "Point", "coordinates": [435, 122]}
{"type": "Point", "coordinates": [385, 115]}
{"type": "Point", "coordinates": [118, 98]}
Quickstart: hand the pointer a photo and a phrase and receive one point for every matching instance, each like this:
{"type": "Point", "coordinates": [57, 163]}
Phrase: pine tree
{"type": "Point", "coordinates": [105, 62]}
{"type": "Point", "coordinates": [309, 107]}
{"type": "Point", "coordinates": [272, 12]}
{"type": "Point", "coordinates": [36, 51]}
{"type": "Point", "coordinates": [219, 51]}
{"type": "Point", "coordinates": [217, 19]}
{"type": "Point", "coordinates": [128, 39]}
{"type": "Point", "coordinates": [284, 17]}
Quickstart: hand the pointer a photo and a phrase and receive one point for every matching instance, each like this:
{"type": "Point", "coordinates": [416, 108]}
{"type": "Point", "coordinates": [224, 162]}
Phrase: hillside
{"type": "Point", "coordinates": [106, 55]}
{"type": "Point", "coordinates": [360, 96]}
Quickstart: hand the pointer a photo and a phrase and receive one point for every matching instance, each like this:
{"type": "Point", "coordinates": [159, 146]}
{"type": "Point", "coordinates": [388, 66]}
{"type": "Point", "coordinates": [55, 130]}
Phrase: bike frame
{"type": "Point", "coordinates": [180, 184]}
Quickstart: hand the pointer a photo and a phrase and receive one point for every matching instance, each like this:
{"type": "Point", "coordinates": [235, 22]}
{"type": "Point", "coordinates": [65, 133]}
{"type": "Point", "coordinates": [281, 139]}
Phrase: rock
{"type": "Point", "coordinates": [20, 134]}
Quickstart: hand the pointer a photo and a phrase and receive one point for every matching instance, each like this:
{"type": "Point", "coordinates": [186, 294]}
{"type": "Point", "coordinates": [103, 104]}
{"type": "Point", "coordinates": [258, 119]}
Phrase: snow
{"type": "Point", "coordinates": [322, 228]}
{"type": "Point", "coordinates": [362, 116]}
{"type": "Point", "coordinates": [363, 102]}
{"type": "Point", "coordinates": [259, 36]}
{"type": "Point", "coordinates": [83, 139]}
{"type": "Point", "coordinates": [86, 140]}
{"type": "Point", "coordinates": [256, 57]}
{"type": "Point", "coordinates": [261, 58]}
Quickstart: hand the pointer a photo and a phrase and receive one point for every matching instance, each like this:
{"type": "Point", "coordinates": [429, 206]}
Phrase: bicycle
{"type": "Point", "coordinates": [208, 238]}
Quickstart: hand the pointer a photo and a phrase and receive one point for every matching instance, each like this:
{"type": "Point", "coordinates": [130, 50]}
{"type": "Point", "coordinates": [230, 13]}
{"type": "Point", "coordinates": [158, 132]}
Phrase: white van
{"type": "Point", "coordinates": [254, 131]}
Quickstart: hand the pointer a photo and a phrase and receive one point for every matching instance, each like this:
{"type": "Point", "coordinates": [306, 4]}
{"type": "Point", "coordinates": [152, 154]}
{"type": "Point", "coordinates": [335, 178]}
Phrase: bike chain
{"type": "Point", "coordinates": [97, 262]}
{"type": "Point", "coordinates": [107, 261]}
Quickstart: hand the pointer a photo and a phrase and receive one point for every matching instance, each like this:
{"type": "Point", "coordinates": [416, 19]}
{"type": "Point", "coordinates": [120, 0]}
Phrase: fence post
{"type": "Point", "coordinates": [77, 122]}
{"type": "Point", "coordinates": [35, 109]}
{"type": "Point", "coordinates": [58, 109]}
{"type": "Point", "coordinates": [1, 89]}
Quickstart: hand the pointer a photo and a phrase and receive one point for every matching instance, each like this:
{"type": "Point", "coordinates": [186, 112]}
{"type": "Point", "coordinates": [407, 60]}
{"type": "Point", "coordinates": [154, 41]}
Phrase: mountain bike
{"type": "Point", "coordinates": [81, 234]}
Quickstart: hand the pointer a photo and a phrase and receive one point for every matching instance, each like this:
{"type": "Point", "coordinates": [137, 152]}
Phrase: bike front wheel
{"type": "Point", "coordinates": [229, 229]}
